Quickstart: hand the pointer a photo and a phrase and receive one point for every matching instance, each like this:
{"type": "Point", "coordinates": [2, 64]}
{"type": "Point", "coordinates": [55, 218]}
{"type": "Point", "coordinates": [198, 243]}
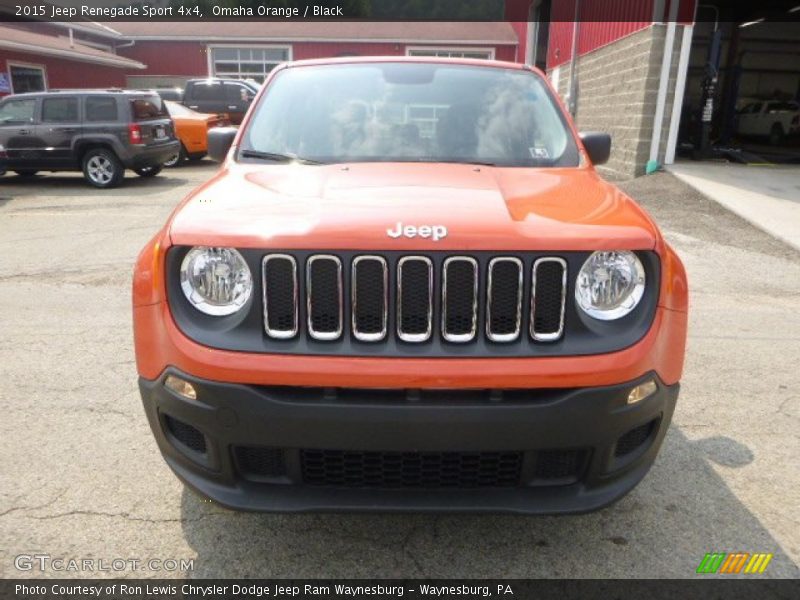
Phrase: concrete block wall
{"type": "Point", "coordinates": [617, 91]}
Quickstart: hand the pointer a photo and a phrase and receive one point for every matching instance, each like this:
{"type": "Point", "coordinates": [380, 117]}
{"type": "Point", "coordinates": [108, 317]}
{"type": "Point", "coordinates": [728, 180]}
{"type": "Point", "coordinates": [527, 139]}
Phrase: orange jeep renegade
{"type": "Point", "coordinates": [406, 289]}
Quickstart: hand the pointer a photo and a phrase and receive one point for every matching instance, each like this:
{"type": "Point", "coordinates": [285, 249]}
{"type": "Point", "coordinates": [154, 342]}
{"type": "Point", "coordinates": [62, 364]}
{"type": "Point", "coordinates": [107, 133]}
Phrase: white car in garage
{"type": "Point", "coordinates": [772, 119]}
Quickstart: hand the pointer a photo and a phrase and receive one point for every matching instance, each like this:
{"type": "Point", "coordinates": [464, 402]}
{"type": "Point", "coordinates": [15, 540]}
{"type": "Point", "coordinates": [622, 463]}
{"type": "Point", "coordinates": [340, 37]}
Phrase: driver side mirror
{"type": "Point", "coordinates": [598, 146]}
{"type": "Point", "coordinates": [219, 142]}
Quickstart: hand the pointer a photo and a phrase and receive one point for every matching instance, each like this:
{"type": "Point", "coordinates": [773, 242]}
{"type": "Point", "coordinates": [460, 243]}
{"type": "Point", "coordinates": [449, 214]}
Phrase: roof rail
{"type": "Point", "coordinates": [88, 90]}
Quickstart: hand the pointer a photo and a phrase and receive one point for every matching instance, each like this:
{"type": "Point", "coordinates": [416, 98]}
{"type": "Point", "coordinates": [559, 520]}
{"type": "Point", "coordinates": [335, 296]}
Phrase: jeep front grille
{"type": "Point", "coordinates": [324, 296]}
{"type": "Point", "coordinates": [370, 298]}
{"type": "Point", "coordinates": [547, 298]}
{"type": "Point", "coordinates": [413, 297]}
{"type": "Point", "coordinates": [280, 296]}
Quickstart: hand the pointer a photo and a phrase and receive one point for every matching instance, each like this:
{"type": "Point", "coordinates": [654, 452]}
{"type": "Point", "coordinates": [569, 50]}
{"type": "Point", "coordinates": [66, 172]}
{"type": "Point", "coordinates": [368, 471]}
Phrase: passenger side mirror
{"type": "Point", "coordinates": [219, 142]}
{"type": "Point", "coordinates": [598, 146]}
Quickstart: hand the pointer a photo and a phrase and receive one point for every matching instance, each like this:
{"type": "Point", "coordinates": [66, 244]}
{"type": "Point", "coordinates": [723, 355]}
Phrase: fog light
{"type": "Point", "coordinates": [642, 391]}
{"type": "Point", "coordinates": [180, 387]}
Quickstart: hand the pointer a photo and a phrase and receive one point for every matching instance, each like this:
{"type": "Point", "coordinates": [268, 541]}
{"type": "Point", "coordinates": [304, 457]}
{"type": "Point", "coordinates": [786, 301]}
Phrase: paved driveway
{"type": "Point", "coordinates": [80, 475]}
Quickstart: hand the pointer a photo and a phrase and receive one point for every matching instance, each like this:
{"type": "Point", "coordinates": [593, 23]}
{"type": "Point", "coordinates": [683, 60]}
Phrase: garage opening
{"type": "Point", "coordinates": [742, 94]}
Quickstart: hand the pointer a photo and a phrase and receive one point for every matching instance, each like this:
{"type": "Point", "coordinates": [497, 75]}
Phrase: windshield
{"type": "Point", "coordinates": [420, 112]}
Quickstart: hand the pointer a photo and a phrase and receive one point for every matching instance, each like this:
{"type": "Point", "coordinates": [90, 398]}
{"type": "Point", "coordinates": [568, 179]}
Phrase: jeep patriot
{"type": "Point", "coordinates": [408, 289]}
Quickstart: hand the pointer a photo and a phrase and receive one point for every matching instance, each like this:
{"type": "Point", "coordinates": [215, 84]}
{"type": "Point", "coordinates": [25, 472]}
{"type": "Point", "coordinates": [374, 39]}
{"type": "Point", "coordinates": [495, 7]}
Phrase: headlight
{"type": "Point", "coordinates": [610, 284]}
{"type": "Point", "coordinates": [216, 281]}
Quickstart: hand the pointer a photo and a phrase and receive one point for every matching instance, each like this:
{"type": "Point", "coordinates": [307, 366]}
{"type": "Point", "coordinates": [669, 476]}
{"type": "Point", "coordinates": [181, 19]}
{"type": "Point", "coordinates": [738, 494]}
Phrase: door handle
{"type": "Point", "coordinates": [64, 129]}
{"type": "Point", "coordinates": [193, 106]}
{"type": "Point", "coordinates": [232, 107]}
{"type": "Point", "coordinates": [24, 132]}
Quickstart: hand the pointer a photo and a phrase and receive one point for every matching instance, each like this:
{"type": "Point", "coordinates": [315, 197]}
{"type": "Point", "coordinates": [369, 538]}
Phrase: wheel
{"type": "Point", "coordinates": [148, 171]}
{"type": "Point", "coordinates": [177, 159]}
{"type": "Point", "coordinates": [198, 156]}
{"type": "Point", "coordinates": [102, 168]}
{"type": "Point", "coordinates": [26, 172]}
{"type": "Point", "coordinates": [776, 134]}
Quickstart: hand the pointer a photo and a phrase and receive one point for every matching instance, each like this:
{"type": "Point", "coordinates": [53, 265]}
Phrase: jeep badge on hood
{"type": "Point", "coordinates": [435, 232]}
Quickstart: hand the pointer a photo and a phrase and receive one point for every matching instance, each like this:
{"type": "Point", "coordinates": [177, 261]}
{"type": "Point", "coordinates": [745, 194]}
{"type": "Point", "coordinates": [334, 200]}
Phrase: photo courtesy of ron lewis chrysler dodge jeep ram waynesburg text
{"type": "Point", "coordinates": [408, 289]}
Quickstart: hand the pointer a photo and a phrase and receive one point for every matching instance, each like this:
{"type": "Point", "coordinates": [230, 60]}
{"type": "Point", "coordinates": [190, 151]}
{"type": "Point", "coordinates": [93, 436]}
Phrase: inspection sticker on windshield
{"type": "Point", "coordinates": [539, 152]}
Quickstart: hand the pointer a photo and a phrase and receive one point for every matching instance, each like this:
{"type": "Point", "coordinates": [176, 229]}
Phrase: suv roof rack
{"type": "Point", "coordinates": [116, 90]}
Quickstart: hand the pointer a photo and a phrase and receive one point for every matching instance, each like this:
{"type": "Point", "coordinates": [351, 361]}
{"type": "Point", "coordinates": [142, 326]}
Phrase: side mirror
{"type": "Point", "coordinates": [598, 146]}
{"type": "Point", "coordinates": [219, 142]}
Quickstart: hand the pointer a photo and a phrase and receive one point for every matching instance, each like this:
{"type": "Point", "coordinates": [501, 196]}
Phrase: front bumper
{"type": "Point", "coordinates": [567, 443]}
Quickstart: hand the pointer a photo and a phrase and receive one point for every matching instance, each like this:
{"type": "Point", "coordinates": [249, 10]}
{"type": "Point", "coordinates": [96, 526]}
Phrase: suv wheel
{"type": "Point", "coordinates": [26, 172]}
{"type": "Point", "coordinates": [776, 134]}
{"type": "Point", "coordinates": [102, 168]}
{"type": "Point", "coordinates": [148, 171]}
{"type": "Point", "coordinates": [177, 159]}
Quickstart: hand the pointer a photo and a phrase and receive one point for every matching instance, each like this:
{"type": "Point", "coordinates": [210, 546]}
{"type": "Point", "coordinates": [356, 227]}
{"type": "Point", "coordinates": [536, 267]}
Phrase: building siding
{"type": "Point", "coordinates": [604, 22]}
{"type": "Point", "coordinates": [60, 73]}
{"type": "Point", "coordinates": [617, 89]}
{"type": "Point", "coordinates": [187, 59]}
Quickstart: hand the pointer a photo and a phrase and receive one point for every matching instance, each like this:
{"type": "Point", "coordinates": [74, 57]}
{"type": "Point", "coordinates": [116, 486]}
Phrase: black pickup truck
{"type": "Point", "coordinates": [230, 96]}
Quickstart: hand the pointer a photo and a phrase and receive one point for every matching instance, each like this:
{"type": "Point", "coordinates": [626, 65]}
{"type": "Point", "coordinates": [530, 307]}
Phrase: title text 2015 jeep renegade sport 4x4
{"type": "Point", "coordinates": [408, 289]}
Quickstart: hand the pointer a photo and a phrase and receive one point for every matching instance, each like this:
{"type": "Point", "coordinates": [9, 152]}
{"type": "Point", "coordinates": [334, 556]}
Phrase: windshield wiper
{"type": "Point", "coordinates": [278, 157]}
{"type": "Point", "coordinates": [454, 161]}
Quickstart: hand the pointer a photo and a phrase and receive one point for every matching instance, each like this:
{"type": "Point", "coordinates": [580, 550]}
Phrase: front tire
{"type": "Point", "coordinates": [102, 169]}
{"type": "Point", "coordinates": [776, 134]}
{"type": "Point", "coordinates": [148, 171]}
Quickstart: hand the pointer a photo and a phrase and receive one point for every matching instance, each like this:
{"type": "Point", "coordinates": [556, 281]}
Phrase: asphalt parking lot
{"type": "Point", "coordinates": [81, 475]}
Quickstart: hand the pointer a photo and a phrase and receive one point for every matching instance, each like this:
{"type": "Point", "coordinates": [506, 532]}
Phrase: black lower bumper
{"type": "Point", "coordinates": [152, 156]}
{"type": "Point", "coordinates": [308, 449]}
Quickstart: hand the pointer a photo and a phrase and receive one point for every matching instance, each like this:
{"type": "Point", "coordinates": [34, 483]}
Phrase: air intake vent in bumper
{"type": "Point", "coordinates": [344, 468]}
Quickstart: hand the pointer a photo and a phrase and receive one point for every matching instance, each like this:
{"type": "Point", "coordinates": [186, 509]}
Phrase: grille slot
{"type": "Point", "coordinates": [324, 296]}
{"type": "Point", "coordinates": [414, 298]}
{"type": "Point", "coordinates": [259, 463]}
{"type": "Point", "coordinates": [401, 298]}
{"type": "Point", "coordinates": [504, 299]}
{"type": "Point", "coordinates": [459, 299]}
{"type": "Point", "coordinates": [562, 465]}
{"type": "Point", "coordinates": [187, 435]}
{"type": "Point", "coordinates": [634, 439]}
{"type": "Point", "coordinates": [370, 297]}
{"type": "Point", "coordinates": [345, 468]}
{"type": "Point", "coordinates": [280, 296]}
{"type": "Point", "coordinates": [548, 295]}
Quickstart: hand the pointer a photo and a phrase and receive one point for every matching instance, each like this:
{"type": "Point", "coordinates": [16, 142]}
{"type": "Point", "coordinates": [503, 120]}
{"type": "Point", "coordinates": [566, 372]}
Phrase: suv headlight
{"type": "Point", "coordinates": [216, 281]}
{"type": "Point", "coordinates": [610, 284]}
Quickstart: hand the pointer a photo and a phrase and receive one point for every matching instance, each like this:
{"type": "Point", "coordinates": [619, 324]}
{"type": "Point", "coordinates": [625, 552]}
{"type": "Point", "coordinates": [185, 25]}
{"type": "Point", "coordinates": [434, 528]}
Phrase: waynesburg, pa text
{"type": "Point", "coordinates": [213, 591]}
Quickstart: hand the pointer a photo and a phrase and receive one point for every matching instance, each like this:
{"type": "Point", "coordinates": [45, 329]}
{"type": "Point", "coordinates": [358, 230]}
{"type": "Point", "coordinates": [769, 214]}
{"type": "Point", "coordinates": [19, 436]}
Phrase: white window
{"type": "Point", "coordinates": [26, 78]}
{"type": "Point", "coordinates": [246, 62]}
{"type": "Point", "coordinates": [487, 53]}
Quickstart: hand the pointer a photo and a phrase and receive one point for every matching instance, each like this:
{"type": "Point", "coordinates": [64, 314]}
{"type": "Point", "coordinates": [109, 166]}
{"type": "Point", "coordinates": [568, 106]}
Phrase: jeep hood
{"type": "Point", "coordinates": [351, 207]}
